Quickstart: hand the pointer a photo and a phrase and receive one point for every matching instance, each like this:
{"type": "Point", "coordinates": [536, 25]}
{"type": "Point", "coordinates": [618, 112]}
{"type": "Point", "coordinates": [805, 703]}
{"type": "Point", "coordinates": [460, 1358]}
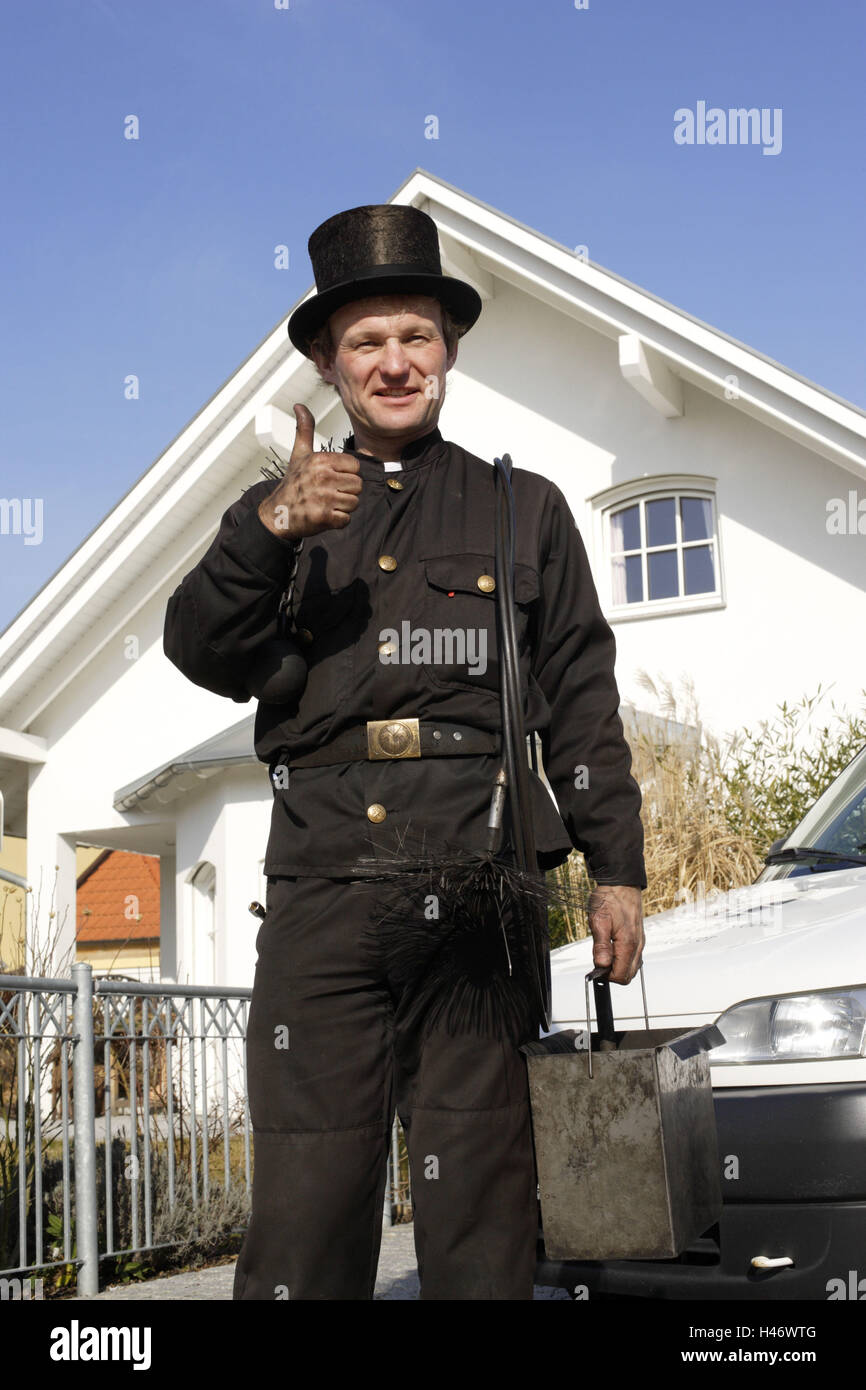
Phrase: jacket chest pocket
{"type": "Point", "coordinates": [460, 618]}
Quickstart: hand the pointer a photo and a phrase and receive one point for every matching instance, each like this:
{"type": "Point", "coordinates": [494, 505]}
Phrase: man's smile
{"type": "Point", "coordinates": [397, 397]}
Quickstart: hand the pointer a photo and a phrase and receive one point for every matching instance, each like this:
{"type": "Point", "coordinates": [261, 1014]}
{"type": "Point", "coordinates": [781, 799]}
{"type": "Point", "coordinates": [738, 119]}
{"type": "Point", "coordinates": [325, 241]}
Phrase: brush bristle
{"type": "Point", "coordinates": [457, 932]}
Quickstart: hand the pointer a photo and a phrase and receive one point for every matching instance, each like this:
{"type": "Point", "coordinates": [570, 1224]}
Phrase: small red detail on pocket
{"type": "Point", "coordinates": [450, 593]}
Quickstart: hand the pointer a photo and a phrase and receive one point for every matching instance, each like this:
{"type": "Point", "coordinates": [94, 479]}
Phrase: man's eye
{"type": "Point", "coordinates": [416, 338]}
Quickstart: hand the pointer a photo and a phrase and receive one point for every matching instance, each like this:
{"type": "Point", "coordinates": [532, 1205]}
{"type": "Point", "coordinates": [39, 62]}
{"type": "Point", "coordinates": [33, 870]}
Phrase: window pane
{"type": "Point", "coordinates": [627, 579]}
{"type": "Point", "coordinates": [697, 518]}
{"type": "Point", "coordinates": [662, 569]}
{"type": "Point", "coordinates": [661, 521]}
{"type": "Point", "coordinates": [625, 529]}
{"type": "Point", "coordinates": [634, 578]}
{"type": "Point", "coordinates": [699, 572]}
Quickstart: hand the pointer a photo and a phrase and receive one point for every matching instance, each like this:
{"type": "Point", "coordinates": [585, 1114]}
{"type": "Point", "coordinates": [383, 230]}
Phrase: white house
{"type": "Point", "coordinates": [718, 493]}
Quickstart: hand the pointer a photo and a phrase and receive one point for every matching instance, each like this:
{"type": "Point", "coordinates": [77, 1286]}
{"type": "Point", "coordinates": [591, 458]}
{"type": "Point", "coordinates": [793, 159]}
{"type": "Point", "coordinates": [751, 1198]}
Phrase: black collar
{"type": "Point", "coordinates": [427, 448]}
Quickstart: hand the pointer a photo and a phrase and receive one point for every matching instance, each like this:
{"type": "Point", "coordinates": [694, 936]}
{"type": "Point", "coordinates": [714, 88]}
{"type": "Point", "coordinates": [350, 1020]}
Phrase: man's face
{"type": "Point", "coordinates": [389, 363]}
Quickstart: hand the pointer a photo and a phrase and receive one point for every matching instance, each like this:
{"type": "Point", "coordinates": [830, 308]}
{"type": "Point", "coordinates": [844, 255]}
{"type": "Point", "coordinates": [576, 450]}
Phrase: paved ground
{"type": "Point", "coordinates": [397, 1278]}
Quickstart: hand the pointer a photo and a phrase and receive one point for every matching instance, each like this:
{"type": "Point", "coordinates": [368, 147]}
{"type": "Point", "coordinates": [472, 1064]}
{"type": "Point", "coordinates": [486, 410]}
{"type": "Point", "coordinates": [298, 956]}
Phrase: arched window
{"type": "Point", "coordinates": [203, 881]}
{"type": "Point", "coordinates": [660, 546]}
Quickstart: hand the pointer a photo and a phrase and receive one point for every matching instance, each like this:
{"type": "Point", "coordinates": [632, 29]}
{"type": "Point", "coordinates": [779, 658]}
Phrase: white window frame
{"type": "Point", "coordinates": [649, 489]}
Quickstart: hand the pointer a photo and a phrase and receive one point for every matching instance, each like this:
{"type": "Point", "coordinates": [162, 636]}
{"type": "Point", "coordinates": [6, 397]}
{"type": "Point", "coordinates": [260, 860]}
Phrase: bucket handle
{"type": "Point", "coordinates": [600, 979]}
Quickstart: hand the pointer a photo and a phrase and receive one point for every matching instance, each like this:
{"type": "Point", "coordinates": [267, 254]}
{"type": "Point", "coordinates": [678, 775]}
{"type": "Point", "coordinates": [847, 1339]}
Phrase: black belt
{"type": "Point", "coordinates": [393, 739]}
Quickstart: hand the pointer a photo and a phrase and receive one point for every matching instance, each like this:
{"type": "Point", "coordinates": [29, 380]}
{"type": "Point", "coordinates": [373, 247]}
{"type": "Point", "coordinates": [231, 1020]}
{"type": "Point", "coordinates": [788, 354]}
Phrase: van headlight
{"type": "Point", "coordinates": [794, 1028]}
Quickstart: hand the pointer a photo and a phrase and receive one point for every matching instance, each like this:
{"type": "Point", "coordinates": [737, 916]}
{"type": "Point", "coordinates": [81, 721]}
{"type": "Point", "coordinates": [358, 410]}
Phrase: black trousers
{"type": "Point", "coordinates": [329, 1058]}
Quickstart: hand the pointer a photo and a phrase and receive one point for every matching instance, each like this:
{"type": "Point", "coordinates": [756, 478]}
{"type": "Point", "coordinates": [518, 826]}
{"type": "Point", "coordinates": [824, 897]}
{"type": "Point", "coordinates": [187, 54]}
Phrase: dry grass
{"type": "Point", "coordinates": [690, 845]}
{"type": "Point", "coordinates": [710, 809]}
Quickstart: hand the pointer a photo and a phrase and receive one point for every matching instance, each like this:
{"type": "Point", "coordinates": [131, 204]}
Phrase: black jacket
{"type": "Point", "coordinates": [435, 519]}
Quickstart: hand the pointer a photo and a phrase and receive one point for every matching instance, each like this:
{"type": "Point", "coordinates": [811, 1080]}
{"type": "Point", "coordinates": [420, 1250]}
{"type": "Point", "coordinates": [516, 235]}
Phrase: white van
{"type": "Point", "coordinates": [780, 966]}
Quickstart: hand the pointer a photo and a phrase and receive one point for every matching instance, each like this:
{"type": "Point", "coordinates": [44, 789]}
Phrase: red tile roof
{"type": "Point", "coordinates": [118, 898]}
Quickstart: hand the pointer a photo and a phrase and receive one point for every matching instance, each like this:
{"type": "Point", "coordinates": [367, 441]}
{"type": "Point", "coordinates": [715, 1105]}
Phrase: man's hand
{"type": "Point", "coordinates": [616, 923]}
{"type": "Point", "coordinates": [318, 492]}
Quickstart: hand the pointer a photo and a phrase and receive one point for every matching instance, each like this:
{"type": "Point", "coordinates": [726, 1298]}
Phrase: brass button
{"type": "Point", "coordinates": [394, 483]}
{"type": "Point", "coordinates": [386, 648]}
{"type": "Point", "coordinates": [387, 562]}
{"type": "Point", "coordinates": [376, 813]}
{"type": "Point", "coordinates": [486, 583]}
{"type": "Point", "coordinates": [305, 635]}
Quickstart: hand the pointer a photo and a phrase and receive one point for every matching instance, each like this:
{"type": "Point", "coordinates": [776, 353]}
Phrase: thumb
{"type": "Point", "coordinates": [305, 424]}
{"type": "Point", "coordinates": [601, 926]}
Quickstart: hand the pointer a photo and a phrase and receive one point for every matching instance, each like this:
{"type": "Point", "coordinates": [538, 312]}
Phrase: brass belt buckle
{"type": "Point", "coordinates": [393, 738]}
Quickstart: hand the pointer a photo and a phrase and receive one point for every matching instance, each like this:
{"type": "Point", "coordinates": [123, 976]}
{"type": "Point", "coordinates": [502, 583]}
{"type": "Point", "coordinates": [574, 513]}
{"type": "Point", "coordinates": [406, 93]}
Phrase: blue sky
{"type": "Point", "coordinates": [156, 256]}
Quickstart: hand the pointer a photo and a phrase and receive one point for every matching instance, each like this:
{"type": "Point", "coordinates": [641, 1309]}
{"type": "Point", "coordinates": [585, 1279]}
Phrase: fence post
{"type": "Point", "coordinates": [84, 1101]}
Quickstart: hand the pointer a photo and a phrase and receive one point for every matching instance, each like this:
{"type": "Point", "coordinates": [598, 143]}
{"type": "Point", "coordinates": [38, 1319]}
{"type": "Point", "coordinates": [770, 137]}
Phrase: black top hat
{"type": "Point", "coordinates": [382, 248]}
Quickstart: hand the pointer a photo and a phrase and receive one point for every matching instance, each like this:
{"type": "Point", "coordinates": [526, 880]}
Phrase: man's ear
{"type": "Point", "coordinates": [451, 359]}
{"type": "Point", "coordinates": [325, 370]}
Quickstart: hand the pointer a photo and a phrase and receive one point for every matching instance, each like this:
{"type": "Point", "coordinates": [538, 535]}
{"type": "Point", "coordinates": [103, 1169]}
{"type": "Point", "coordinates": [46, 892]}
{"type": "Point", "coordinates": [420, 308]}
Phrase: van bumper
{"type": "Point", "coordinates": [793, 1161]}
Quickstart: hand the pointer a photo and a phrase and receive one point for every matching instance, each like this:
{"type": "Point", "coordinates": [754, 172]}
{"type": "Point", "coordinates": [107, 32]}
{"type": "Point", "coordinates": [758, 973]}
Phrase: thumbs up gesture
{"type": "Point", "coordinates": [318, 492]}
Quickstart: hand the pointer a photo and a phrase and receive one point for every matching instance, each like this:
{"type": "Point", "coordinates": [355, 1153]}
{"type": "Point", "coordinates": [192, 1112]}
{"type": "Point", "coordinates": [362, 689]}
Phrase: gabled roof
{"type": "Point", "coordinates": [164, 522]}
{"type": "Point", "coordinates": [105, 896]}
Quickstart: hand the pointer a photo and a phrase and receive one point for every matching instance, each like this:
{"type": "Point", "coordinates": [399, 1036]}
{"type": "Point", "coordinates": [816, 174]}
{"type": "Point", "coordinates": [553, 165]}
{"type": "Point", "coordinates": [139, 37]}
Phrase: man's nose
{"type": "Point", "coordinates": [393, 361]}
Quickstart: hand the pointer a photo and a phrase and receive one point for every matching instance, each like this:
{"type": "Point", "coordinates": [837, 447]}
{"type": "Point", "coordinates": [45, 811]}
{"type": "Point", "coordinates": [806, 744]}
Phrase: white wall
{"type": "Point", "coordinates": [225, 823]}
{"type": "Point", "coordinates": [543, 388]}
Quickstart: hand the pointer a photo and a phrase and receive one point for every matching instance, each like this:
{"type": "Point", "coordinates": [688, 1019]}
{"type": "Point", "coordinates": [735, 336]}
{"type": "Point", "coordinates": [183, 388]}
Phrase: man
{"type": "Point", "coordinates": [395, 731]}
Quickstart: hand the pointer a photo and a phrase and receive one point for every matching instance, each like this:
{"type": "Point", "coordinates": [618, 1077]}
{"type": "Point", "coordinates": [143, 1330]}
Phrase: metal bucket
{"type": "Point", "coordinates": [625, 1137]}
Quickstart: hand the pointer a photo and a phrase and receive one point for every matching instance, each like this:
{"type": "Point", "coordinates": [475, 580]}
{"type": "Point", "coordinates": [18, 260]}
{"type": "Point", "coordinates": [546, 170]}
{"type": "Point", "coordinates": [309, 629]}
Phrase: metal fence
{"type": "Point", "coordinates": [117, 1102]}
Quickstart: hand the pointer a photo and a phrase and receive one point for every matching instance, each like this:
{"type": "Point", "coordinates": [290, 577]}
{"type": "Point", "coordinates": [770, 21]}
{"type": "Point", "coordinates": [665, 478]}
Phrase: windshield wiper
{"type": "Point", "coordinates": [809, 852]}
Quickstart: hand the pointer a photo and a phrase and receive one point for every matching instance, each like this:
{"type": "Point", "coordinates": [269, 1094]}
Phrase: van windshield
{"type": "Point", "coordinates": [836, 822]}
